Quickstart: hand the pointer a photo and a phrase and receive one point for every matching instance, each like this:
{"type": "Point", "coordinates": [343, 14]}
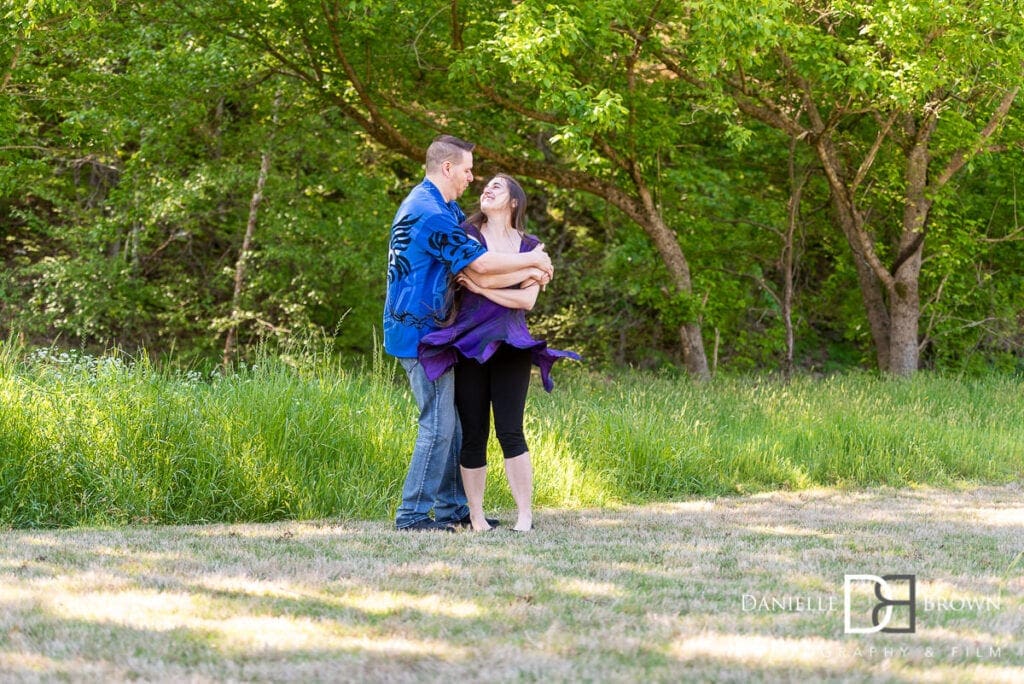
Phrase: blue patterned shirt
{"type": "Point", "coordinates": [427, 248]}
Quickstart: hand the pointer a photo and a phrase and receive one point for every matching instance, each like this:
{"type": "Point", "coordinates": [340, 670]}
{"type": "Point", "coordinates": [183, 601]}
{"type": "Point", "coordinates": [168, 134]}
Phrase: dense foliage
{"type": "Point", "coordinates": [719, 182]}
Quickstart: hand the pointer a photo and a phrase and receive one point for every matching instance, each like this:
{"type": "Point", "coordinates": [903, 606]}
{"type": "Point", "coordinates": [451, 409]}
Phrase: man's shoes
{"type": "Point", "coordinates": [466, 522]}
{"type": "Point", "coordinates": [427, 525]}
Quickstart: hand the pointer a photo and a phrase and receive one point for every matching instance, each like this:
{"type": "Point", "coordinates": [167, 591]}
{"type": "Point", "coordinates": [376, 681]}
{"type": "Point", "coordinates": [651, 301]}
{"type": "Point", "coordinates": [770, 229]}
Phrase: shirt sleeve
{"type": "Point", "coordinates": [445, 240]}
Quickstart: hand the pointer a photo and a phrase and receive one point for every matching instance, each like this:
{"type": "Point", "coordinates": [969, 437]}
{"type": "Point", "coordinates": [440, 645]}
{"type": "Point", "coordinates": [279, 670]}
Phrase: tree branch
{"type": "Point", "coordinates": [818, 124]}
{"type": "Point", "coordinates": [514, 106]}
{"type": "Point", "coordinates": [456, 26]}
{"type": "Point", "coordinates": [961, 156]}
{"type": "Point", "coordinates": [762, 110]}
{"type": "Point", "coordinates": [548, 171]}
{"type": "Point", "coordinates": [569, 179]}
{"type": "Point", "coordinates": [869, 159]}
{"type": "Point", "coordinates": [376, 123]}
{"type": "Point", "coordinates": [627, 165]}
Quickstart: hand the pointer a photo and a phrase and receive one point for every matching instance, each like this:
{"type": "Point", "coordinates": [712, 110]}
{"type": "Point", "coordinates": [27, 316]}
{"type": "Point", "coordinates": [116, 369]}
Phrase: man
{"type": "Point", "coordinates": [427, 249]}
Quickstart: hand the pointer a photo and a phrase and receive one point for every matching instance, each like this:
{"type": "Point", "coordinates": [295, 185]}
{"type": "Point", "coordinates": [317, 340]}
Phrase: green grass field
{"type": "Point", "coordinates": [107, 441]}
{"type": "Point", "coordinates": [679, 526]}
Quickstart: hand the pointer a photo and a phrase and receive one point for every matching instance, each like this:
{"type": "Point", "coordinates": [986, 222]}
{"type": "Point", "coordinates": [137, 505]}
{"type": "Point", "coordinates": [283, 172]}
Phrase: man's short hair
{"type": "Point", "coordinates": [446, 148]}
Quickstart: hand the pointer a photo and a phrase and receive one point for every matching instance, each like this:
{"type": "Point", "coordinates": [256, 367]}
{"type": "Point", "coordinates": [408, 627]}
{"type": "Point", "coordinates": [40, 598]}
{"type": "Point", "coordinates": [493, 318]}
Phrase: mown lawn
{"type": "Point", "coordinates": [657, 592]}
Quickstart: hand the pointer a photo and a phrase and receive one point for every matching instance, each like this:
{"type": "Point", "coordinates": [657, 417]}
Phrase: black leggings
{"type": "Point", "coordinates": [500, 383]}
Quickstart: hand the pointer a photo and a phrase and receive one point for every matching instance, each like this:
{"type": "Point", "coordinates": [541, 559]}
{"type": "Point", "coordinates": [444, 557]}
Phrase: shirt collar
{"type": "Point", "coordinates": [433, 189]}
{"type": "Point", "coordinates": [452, 206]}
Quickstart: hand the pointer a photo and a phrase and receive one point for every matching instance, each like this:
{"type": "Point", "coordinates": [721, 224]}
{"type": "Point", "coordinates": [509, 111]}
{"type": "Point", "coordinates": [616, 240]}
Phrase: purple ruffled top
{"type": "Point", "coordinates": [481, 326]}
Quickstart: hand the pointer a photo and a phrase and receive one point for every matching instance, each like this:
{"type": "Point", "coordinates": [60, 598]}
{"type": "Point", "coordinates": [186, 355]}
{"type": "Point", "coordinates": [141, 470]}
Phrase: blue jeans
{"type": "Point", "coordinates": [433, 480]}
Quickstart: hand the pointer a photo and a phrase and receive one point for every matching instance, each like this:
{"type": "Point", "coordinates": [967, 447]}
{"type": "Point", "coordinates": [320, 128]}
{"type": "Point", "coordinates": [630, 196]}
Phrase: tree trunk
{"type": "Point", "coordinates": [671, 253]}
{"type": "Point", "coordinates": [906, 311]}
{"type": "Point", "coordinates": [243, 254]}
{"type": "Point", "coordinates": [904, 297]}
{"type": "Point", "coordinates": [694, 357]}
{"type": "Point", "coordinates": [872, 294]}
{"type": "Point", "coordinates": [904, 294]}
{"type": "Point", "coordinates": [851, 222]}
{"type": "Point", "coordinates": [872, 291]}
{"type": "Point", "coordinates": [796, 191]}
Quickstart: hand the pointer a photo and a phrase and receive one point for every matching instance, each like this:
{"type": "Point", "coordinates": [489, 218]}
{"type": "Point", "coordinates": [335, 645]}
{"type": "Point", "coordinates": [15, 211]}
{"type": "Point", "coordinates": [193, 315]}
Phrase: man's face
{"type": "Point", "coordinates": [460, 175]}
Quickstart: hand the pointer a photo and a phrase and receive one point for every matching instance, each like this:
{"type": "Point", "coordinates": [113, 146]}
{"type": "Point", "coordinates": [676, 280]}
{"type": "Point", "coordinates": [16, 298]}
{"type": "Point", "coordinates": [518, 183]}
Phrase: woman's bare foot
{"type": "Point", "coordinates": [523, 524]}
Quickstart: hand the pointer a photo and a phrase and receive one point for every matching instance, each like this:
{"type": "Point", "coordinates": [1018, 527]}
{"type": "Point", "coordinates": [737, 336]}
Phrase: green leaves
{"type": "Point", "coordinates": [131, 135]}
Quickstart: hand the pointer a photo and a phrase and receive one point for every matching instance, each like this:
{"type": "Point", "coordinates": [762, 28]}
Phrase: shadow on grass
{"type": "Point", "coordinates": [641, 593]}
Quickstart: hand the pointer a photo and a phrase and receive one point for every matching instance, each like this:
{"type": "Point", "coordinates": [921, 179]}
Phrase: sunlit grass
{"type": "Point", "coordinates": [624, 594]}
{"type": "Point", "coordinates": [111, 440]}
{"type": "Point", "coordinates": [654, 437]}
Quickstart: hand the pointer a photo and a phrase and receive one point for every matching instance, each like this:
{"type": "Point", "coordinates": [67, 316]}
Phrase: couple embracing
{"type": "Point", "coordinates": [454, 316]}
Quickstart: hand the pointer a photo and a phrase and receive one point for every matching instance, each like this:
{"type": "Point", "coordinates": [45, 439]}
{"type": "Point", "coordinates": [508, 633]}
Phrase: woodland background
{"type": "Point", "coordinates": [724, 186]}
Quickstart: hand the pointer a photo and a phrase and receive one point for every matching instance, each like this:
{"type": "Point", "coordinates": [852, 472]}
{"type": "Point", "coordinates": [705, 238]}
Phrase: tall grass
{"type": "Point", "coordinates": [113, 441]}
{"type": "Point", "coordinates": [88, 440]}
{"type": "Point", "coordinates": [646, 437]}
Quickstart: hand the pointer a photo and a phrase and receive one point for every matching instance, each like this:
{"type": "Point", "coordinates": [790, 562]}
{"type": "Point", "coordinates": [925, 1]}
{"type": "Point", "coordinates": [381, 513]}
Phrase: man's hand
{"type": "Point", "coordinates": [468, 283]}
{"type": "Point", "coordinates": [537, 277]}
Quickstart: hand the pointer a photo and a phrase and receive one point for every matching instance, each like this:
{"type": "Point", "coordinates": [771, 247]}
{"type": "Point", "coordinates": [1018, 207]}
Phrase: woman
{"type": "Point", "coordinates": [492, 351]}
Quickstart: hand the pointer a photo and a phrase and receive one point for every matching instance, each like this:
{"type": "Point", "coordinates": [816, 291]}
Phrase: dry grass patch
{"type": "Point", "coordinates": [629, 594]}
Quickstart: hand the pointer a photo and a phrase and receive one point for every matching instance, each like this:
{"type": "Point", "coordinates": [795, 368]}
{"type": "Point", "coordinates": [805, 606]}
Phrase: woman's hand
{"type": "Point", "coordinates": [510, 297]}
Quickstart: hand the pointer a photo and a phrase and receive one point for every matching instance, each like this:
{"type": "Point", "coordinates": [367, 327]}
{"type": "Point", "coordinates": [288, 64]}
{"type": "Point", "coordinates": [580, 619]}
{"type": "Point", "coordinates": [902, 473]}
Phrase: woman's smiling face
{"type": "Point", "coordinates": [495, 196]}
